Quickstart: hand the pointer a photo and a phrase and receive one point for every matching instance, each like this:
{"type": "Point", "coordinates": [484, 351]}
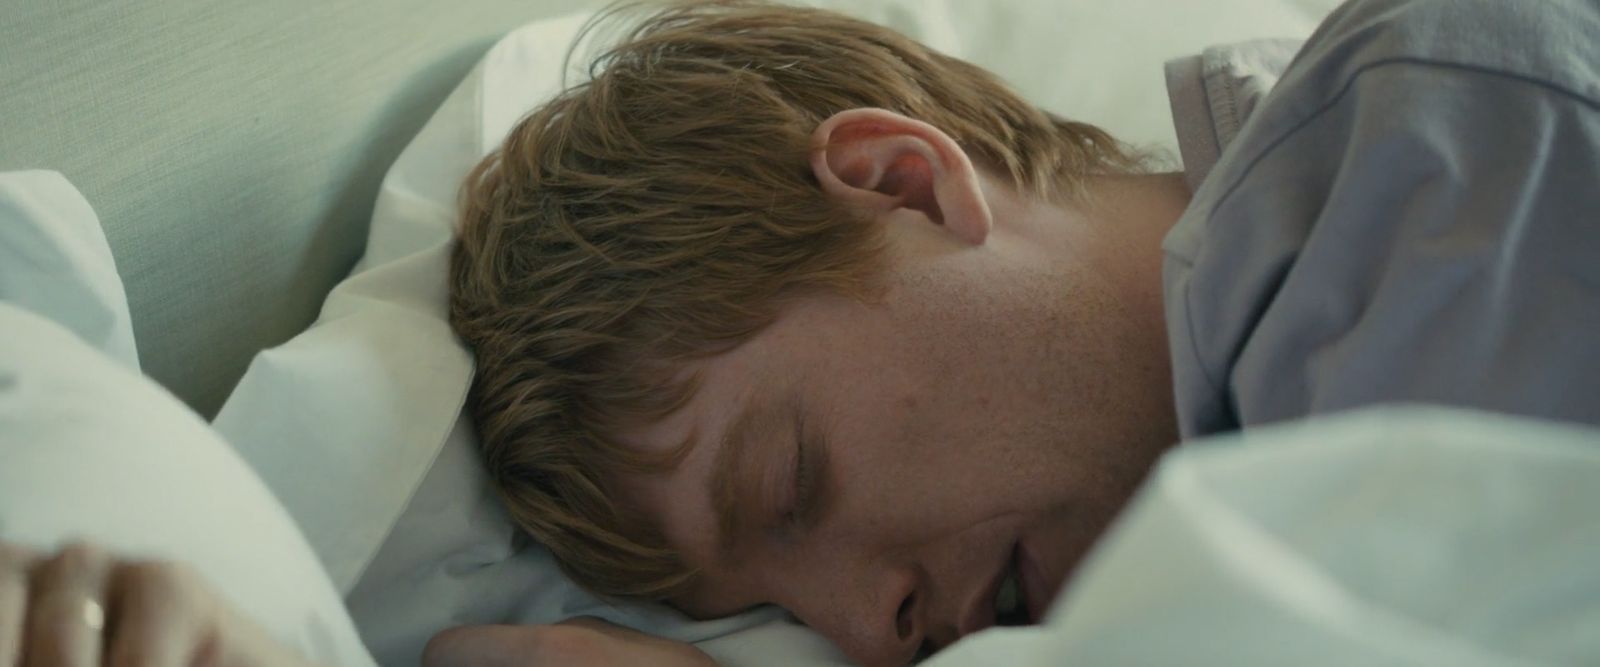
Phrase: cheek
{"type": "Point", "coordinates": [916, 455]}
{"type": "Point", "coordinates": [904, 467]}
{"type": "Point", "coordinates": [925, 434]}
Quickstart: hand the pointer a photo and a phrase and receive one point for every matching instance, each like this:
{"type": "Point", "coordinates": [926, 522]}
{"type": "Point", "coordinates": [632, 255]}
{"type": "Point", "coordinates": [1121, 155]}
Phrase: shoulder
{"type": "Point", "coordinates": [1368, 197]}
{"type": "Point", "coordinates": [1387, 80]}
{"type": "Point", "coordinates": [1548, 41]}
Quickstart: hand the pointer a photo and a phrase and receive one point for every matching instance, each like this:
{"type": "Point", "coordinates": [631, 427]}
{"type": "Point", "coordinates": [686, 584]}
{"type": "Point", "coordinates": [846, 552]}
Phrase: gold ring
{"type": "Point", "coordinates": [94, 615]}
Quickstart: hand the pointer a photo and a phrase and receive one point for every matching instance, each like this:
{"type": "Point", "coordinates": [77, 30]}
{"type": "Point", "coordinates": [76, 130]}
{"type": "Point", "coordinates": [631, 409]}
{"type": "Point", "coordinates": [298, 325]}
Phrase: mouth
{"type": "Point", "coordinates": [1010, 599]}
{"type": "Point", "coordinates": [1005, 601]}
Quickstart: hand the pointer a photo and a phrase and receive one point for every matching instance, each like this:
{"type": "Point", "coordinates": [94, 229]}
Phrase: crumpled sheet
{"type": "Point", "coordinates": [92, 450]}
{"type": "Point", "coordinates": [1389, 536]}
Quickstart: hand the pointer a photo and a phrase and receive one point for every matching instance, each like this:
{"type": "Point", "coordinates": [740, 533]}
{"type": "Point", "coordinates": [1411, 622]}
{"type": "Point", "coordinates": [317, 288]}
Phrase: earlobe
{"type": "Point", "coordinates": [879, 161]}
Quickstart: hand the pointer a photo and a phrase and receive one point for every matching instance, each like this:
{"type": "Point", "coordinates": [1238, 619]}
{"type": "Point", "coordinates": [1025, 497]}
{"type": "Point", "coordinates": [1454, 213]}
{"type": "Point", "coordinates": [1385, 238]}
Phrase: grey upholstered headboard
{"type": "Point", "coordinates": [232, 148]}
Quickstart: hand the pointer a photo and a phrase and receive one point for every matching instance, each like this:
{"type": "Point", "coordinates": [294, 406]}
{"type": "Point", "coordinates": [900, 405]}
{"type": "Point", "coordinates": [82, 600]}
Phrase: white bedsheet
{"type": "Point", "coordinates": [1391, 536]}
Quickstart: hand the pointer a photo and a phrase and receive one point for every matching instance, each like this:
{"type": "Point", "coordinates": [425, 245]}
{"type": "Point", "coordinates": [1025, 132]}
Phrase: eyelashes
{"type": "Point", "coordinates": [805, 475]}
{"type": "Point", "coordinates": [802, 486]}
{"type": "Point", "coordinates": [792, 514]}
{"type": "Point", "coordinates": [806, 480]}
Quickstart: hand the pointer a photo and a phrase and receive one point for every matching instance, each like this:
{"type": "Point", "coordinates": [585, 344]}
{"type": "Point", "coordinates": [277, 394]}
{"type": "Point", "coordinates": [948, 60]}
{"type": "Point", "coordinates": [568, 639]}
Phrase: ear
{"type": "Point", "coordinates": [880, 161]}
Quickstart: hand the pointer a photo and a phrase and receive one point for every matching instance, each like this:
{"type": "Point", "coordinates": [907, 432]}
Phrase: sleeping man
{"type": "Point", "coordinates": [783, 308]}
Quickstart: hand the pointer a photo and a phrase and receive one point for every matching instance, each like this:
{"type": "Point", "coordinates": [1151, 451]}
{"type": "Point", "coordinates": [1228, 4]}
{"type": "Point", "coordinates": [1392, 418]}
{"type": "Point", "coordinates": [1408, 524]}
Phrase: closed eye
{"type": "Point", "coordinates": [807, 461]}
{"type": "Point", "coordinates": [802, 487]}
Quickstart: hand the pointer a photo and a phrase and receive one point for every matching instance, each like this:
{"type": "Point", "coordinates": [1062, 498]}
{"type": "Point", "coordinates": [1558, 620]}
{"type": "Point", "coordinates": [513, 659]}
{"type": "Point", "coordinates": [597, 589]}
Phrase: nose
{"type": "Point", "coordinates": [905, 620]}
{"type": "Point", "coordinates": [894, 626]}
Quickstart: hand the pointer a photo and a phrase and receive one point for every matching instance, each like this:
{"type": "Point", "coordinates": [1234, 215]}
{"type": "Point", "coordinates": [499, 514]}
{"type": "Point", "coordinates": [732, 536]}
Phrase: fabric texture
{"type": "Point", "coordinates": [1398, 536]}
{"type": "Point", "coordinates": [89, 449]}
{"type": "Point", "coordinates": [1408, 216]}
{"type": "Point", "coordinates": [232, 148]}
{"type": "Point", "coordinates": [1214, 92]}
{"type": "Point", "coordinates": [94, 451]}
{"type": "Point", "coordinates": [54, 261]}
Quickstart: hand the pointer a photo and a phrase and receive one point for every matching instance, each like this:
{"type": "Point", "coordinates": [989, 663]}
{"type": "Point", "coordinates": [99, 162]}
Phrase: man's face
{"type": "Point", "coordinates": [880, 469]}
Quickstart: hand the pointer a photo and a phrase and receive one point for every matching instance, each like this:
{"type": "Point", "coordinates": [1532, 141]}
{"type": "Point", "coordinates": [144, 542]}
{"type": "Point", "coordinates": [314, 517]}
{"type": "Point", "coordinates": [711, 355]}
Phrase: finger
{"type": "Point", "coordinates": [15, 563]}
{"type": "Point", "coordinates": [63, 596]}
{"type": "Point", "coordinates": [160, 621]}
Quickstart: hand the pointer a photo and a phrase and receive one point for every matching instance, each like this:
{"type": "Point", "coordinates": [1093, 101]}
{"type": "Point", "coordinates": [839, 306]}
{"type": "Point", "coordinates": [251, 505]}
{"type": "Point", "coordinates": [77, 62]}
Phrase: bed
{"type": "Point", "coordinates": [248, 163]}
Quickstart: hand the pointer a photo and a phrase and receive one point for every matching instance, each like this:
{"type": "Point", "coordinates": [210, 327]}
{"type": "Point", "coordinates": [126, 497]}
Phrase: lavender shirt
{"type": "Point", "coordinates": [1411, 214]}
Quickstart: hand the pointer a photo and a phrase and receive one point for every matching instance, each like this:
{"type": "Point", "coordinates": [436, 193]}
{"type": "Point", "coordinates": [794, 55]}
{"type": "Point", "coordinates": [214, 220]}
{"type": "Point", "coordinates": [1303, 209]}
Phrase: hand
{"type": "Point", "coordinates": [579, 642]}
{"type": "Point", "coordinates": [81, 607]}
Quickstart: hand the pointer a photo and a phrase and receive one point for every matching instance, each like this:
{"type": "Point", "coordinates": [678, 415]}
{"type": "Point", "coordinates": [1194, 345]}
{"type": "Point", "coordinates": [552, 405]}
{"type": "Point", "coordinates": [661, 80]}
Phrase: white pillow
{"type": "Point", "coordinates": [92, 450]}
{"type": "Point", "coordinates": [357, 422]}
{"type": "Point", "coordinates": [1098, 62]}
{"type": "Point", "coordinates": [55, 262]}
{"type": "Point", "coordinates": [345, 421]}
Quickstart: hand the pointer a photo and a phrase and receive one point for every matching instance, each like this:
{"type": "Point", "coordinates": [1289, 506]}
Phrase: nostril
{"type": "Point", "coordinates": [903, 619]}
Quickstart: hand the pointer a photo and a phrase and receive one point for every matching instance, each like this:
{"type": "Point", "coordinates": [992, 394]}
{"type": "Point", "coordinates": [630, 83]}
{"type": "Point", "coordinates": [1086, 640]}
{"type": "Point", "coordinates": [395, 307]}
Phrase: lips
{"type": "Point", "coordinates": [1027, 596]}
{"type": "Point", "coordinates": [1036, 589]}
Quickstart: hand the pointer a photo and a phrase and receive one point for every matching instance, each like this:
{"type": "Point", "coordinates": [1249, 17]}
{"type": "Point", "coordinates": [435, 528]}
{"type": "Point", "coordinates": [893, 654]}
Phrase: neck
{"type": "Point", "coordinates": [1122, 224]}
{"type": "Point", "coordinates": [1114, 230]}
{"type": "Point", "coordinates": [1131, 216]}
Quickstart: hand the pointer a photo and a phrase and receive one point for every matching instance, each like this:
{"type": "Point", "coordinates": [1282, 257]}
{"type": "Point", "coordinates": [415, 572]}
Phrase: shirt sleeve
{"type": "Point", "coordinates": [1412, 216]}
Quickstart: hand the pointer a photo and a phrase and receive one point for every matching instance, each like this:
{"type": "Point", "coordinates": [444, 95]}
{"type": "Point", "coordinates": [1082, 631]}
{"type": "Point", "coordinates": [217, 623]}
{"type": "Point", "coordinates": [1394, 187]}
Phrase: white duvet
{"type": "Point", "coordinates": [1392, 536]}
